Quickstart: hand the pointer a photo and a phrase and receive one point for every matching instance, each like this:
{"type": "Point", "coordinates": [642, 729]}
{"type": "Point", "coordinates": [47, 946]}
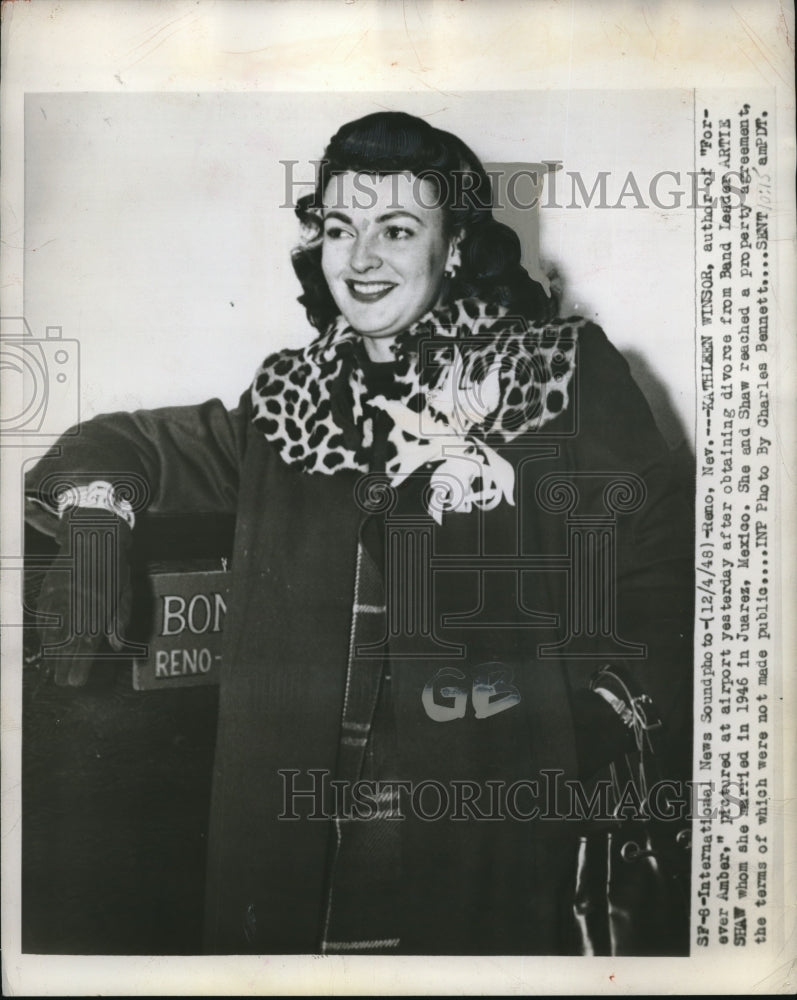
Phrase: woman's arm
{"type": "Point", "coordinates": [174, 460]}
{"type": "Point", "coordinates": [617, 440]}
{"type": "Point", "coordinates": [86, 493]}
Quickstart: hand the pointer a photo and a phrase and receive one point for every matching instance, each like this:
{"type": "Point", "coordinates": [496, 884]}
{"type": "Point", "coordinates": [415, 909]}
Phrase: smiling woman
{"type": "Point", "coordinates": [390, 162]}
{"type": "Point", "coordinates": [453, 511]}
{"type": "Point", "coordinates": [385, 257]}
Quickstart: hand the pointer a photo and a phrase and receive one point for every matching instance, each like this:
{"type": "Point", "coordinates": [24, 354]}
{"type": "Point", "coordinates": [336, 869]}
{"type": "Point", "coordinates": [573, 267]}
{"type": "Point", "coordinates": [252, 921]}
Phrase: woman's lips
{"type": "Point", "coordinates": [369, 291]}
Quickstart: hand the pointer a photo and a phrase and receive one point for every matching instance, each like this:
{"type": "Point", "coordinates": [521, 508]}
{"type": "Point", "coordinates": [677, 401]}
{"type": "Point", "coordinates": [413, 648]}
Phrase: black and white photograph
{"type": "Point", "coordinates": [395, 502]}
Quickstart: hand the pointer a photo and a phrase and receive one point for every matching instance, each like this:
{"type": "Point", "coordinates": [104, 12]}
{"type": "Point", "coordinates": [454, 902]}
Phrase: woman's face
{"type": "Point", "coordinates": [384, 252]}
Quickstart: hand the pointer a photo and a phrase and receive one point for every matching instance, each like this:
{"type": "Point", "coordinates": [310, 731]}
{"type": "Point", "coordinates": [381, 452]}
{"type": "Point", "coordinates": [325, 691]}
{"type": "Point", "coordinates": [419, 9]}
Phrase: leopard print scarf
{"type": "Point", "coordinates": [465, 379]}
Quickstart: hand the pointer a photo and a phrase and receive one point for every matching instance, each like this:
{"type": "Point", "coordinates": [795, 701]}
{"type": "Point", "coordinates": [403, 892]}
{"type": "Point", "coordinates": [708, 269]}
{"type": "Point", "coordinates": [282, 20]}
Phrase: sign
{"type": "Point", "coordinates": [189, 610]}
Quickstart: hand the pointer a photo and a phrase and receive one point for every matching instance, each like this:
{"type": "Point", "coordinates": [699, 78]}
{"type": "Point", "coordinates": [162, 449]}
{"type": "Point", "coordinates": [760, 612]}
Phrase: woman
{"type": "Point", "coordinates": [452, 509]}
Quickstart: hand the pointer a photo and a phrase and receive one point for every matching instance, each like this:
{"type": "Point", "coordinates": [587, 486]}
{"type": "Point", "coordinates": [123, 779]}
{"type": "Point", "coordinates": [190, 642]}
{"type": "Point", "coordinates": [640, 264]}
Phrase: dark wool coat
{"type": "Point", "coordinates": [599, 511]}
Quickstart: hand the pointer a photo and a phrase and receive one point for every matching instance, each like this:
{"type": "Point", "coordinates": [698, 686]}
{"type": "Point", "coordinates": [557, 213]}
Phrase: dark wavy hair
{"type": "Point", "coordinates": [390, 142]}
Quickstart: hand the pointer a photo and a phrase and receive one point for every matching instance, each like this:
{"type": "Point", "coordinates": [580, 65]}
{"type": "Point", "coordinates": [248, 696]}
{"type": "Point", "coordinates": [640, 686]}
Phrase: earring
{"type": "Point", "coordinates": [454, 261]}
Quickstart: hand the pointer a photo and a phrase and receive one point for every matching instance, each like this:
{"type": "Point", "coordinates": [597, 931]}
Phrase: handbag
{"type": "Point", "coordinates": [632, 870]}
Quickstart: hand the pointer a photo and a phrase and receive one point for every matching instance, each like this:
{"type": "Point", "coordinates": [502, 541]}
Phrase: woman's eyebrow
{"type": "Point", "coordinates": [333, 214]}
{"type": "Point", "coordinates": [387, 216]}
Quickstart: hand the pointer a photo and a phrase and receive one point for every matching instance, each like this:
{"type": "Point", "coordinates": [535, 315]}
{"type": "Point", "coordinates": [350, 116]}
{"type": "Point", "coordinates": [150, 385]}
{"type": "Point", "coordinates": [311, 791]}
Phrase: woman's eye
{"type": "Point", "coordinates": [336, 233]}
{"type": "Point", "coordinates": [399, 233]}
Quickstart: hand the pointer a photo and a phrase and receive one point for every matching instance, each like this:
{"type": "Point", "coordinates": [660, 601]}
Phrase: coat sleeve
{"type": "Point", "coordinates": [652, 581]}
{"type": "Point", "coordinates": [172, 460]}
